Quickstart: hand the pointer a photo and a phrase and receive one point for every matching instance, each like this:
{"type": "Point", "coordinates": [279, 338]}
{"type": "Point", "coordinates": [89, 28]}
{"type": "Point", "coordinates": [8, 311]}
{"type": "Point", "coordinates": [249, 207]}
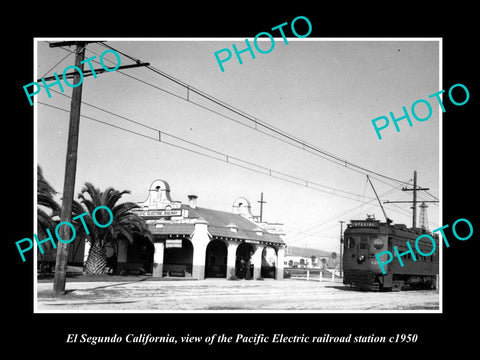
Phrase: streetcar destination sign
{"type": "Point", "coordinates": [364, 223]}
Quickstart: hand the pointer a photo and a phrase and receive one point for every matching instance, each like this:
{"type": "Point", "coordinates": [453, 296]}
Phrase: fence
{"type": "Point", "coordinates": [310, 274]}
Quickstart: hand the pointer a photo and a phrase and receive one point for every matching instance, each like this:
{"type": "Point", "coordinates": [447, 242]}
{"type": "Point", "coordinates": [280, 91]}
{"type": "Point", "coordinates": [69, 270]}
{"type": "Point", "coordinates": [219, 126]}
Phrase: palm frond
{"type": "Point", "coordinates": [42, 185]}
{"type": "Point", "coordinates": [44, 221]}
{"type": "Point", "coordinates": [125, 226]}
{"type": "Point", "coordinates": [47, 201]}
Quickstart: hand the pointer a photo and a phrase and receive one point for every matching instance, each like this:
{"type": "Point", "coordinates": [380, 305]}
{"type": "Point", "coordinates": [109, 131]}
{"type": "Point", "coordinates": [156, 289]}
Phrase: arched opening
{"type": "Point", "coordinates": [244, 261]}
{"type": "Point", "coordinates": [216, 259]}
{"type": "Point", "coordinates": [126, 258]}
{"type": "Point", "coordinates": [269, 261]}
{"type": "Point", "coordinates": [178, 258]}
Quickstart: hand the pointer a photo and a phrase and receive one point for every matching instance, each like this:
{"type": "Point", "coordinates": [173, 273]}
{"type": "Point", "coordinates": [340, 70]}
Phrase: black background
{"type": "Point", "coordinates": [46, 334]}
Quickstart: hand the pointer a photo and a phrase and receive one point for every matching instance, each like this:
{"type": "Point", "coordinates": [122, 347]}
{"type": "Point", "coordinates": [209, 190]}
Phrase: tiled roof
{"type": "Point", "coordinates": [220, 223]}
{"type": "Point", "coordinates": [244, 234]}
{"type": "Point", "coordinates": [220, 218]}
{"type": "Point", "coordinates": [173, 228]}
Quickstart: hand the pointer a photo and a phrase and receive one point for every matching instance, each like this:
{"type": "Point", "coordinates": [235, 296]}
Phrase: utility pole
{"type": "Point", "coordinates": [414, 206]}
{"type": "Point", "coordinates": [70, 172]}
{"type": "Point", "coordinates": [71, 162]}
{"type": "Point", "coordinates": [341, 246]}
{"type": "Point", "coordinates": [414, 202]}
{"type": "Point", "coordinates": [261, 206]}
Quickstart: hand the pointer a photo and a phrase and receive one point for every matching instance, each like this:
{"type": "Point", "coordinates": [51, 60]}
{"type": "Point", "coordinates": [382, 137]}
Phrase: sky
{"type": "Point", "coordinates": [323, 91]}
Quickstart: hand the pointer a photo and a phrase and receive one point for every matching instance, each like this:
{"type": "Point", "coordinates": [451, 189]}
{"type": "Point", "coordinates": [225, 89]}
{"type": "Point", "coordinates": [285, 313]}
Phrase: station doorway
{"type": "Point", "coordinates": [178, 258]}
{"type": "Point", "coordinates": [244, 263]}
{"type": "Point", "coordinates": [269, 258]}
{"type": "Point", "coordinates": [216, 259]}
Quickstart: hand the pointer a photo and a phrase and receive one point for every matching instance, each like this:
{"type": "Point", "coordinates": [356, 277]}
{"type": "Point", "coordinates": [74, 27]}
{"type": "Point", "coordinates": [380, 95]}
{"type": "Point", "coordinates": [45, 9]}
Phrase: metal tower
{"type": "Point", "coordinates": [423, 219]}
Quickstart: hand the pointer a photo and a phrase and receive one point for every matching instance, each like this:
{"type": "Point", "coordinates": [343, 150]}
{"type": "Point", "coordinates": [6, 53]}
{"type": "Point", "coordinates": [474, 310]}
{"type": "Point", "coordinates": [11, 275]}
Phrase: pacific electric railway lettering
{"type": "Point", "coordinates": [159, 212]}
{"type": "Point", "coordinates": [386, 257]}
{"type": "Point", "coordinates": [415, 112]}
{"type": "Point", "coordinates": [228, 53]}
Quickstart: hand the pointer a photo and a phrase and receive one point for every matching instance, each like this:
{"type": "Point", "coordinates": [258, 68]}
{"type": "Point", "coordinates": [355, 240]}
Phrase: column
{"type": "Point", "coordinates": [158, 259]}
{"type": "Point", "coordinates": [280, 261]}
{"type": "Point", "coordinates": [200, 240]}
{"type": "Point", "coordinates": [231, 259]}
{"type": "Point", "coordinates": [257, 262]}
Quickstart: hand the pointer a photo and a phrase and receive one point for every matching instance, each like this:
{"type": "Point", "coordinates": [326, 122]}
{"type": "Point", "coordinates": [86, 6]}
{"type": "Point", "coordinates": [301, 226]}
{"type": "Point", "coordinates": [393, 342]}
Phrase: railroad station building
{"type": "Point", "coordinates": [196, 242]}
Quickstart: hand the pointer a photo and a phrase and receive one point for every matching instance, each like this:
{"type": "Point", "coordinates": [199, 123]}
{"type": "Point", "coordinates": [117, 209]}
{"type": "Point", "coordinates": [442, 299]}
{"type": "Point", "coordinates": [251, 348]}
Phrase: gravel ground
{"type": "Point", "coordinates": [219, 294]}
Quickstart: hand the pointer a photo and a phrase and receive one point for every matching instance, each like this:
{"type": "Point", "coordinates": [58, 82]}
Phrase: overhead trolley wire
{"type": "Point", "coordinates": [282, 135]}
{"type": "Point", "coordinates": [232, 160]}
{"type": "Point", "coordinates": [259, 123]}
{"type": "Point", "coordinates": [278, 134]}
{"type": "Point", "coordinates": [333, 217]}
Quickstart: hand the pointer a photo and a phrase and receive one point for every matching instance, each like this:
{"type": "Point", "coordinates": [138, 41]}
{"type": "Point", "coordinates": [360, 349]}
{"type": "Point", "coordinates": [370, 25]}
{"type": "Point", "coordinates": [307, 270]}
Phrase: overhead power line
{"type": "Point", "coordinates": [311, 227]}
{"type": "Point", "coordinates": [53, 67]}
{"type": "Point", "coordinates": [161, 136]}
{"type": "Point", "coordinates": [258, 124]}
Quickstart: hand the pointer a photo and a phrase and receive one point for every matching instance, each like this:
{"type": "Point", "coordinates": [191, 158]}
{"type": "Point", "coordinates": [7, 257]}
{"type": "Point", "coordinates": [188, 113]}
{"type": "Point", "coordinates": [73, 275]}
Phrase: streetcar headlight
{"type": "Point", "coordinates": [360, 259]}
{"type": "Point", "coordinates": [378, 244]}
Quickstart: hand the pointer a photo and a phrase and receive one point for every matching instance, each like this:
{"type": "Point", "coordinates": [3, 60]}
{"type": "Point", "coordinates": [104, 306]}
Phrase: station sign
{"type": "Point", "coordinates": [173, 243]}
{"type": "Point", "coordinates": [158, 213]}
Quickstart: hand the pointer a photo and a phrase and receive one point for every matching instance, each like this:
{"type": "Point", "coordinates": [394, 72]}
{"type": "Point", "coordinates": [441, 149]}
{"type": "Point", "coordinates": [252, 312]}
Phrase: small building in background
{"type": "Point", "coordinates": [302, 257]}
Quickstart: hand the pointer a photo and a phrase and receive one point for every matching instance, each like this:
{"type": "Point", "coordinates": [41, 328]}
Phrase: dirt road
{"type": "Point", "coordinates": [219, 294]}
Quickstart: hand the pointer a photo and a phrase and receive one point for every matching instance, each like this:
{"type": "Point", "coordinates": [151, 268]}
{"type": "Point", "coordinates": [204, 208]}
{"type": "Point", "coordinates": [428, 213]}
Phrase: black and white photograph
{"type": "Point", "coordinates": [202, 191]}
{"type": "Point", "coordinates": [244, 181]}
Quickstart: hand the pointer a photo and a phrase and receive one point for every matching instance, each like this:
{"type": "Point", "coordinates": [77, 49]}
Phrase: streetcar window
{"type": "Point", "coordinates": [363, 242]}
{"type": "Point", "coordinates": [350, 243]}
{"type": "Point", "coordinates": [402, 250]}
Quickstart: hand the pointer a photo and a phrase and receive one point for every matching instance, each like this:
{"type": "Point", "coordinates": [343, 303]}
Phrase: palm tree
{"type": "Point", "coordinates": [124, 227]}
{"type": "Point", "coordinates": [45, 193]}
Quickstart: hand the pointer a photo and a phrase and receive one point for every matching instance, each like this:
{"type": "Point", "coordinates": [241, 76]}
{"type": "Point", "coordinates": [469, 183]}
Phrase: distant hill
{"type": "Point", "coordinates": [306, 252]}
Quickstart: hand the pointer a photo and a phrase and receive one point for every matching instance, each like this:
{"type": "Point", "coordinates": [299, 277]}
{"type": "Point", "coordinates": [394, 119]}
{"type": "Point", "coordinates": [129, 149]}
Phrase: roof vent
{"type": "Point", "coordinates": [232, 227]}
{"type": "Point", "coordinates": [259, 232]}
